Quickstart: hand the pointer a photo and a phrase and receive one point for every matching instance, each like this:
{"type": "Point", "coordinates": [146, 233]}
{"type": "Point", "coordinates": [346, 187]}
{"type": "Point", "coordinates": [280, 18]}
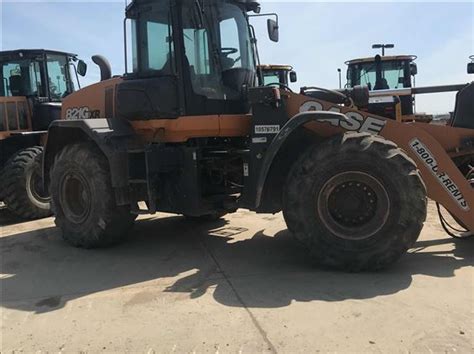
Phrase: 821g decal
{"type": "Point", "coordinates": [81, 113]}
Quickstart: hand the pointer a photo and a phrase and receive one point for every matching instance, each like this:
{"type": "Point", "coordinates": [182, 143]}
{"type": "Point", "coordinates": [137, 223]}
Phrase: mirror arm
{"type": "Point", "coordinates": [266, 15]}
{"type": "Point", "coordinates": [254, 42]}
{"type": "Point", "coordinates": [77, 75]}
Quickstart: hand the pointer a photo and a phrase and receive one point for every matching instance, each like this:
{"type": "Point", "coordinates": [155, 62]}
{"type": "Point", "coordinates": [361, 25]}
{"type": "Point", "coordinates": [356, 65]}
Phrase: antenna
{"type": "Point", "coordinates": [383, 46]}
{"type": "Point", "coordinates": [340, 78]}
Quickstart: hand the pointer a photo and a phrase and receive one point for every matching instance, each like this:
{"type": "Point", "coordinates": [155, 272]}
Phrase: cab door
{"type": "Point", "coordinates": [151, 90]}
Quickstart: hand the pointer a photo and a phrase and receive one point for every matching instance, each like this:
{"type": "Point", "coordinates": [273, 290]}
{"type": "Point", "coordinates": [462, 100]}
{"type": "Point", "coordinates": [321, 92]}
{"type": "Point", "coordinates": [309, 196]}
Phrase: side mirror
{"type": "Point", "coordinates": [273, 30]}
{"type": "Point", "coordinates": [293, 76]}
{"type": "Point", "coordinates": [413, 69]}
{"type": "Point", "coordinates": [82, 68]}
{"type": "Point", "coordinates": [470, 68]}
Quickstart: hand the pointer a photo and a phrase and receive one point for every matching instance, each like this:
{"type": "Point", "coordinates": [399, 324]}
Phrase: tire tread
{"type": "Point", "coordinates": [13, 190]}
{"type": "Point", "coordinates": [374, 147]}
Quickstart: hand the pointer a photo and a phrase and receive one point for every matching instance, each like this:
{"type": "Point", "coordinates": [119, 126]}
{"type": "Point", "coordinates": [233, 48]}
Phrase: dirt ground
{"type": "Point", "coordinates": [239, 285]}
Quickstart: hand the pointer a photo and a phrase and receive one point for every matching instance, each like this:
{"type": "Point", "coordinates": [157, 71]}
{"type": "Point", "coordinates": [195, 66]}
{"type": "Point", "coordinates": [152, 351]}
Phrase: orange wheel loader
{"type": "Point", "coordinates": [189, 131]}
{"type": "Point", "coordinates": [32, 85]}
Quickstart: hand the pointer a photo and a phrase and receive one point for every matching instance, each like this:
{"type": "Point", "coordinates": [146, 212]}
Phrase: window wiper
{"type": "Point", "coordinates": [200, 12]}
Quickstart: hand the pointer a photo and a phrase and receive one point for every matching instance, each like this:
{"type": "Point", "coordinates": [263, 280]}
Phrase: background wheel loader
{"type": "Point", "coordinates": [387, 73]}
{"type": "Point", "coordinates": [190, 132]}
{"type": "Point", "coordinates": [277, 75]}
{"type": "Point", "coordinates": [32, 85]}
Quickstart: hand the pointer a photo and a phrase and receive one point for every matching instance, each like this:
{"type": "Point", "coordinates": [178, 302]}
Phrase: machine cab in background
{"type": "Point", "coordinates": [277, 75]}
{"type": "Point", "coordinates": [33, 83]}
{"type": "Point", "coordinates": [385, 73]}
{"type": "Point", "coordinates": [189, 58]}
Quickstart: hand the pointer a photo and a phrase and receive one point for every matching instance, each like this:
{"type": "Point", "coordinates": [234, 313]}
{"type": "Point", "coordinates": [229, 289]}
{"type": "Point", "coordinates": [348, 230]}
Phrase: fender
{"type": "Point", "coordinates": [107, 134]}
{"type": "Point", "coordinates": [294, 123]}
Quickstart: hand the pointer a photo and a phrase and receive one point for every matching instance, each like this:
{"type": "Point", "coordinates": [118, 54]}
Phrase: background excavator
{"type": "Point", "coordinates": [190, 131]}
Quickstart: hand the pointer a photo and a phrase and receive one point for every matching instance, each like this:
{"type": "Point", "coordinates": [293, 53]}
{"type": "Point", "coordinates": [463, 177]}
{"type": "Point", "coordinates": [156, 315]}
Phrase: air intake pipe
{"type": "Point", "coordinates": [104, 65]}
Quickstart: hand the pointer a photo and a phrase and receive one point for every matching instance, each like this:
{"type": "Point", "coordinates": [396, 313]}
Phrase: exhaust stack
{"type": "Point", "coordinates": [104, 65]}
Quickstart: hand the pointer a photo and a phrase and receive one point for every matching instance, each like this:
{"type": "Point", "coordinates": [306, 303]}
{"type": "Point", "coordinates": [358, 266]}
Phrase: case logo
{"type": "Point", "coordinates": [355, 121]}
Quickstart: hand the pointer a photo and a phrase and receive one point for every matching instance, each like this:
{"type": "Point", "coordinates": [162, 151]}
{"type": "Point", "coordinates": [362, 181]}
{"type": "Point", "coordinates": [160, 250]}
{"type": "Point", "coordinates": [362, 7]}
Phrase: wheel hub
{"type": "Point", "coordinates": [35, 188]}
{"type": "Point", "coordinates": [75, 197]}
{"type": "Point", "coordinates": [353, 205]}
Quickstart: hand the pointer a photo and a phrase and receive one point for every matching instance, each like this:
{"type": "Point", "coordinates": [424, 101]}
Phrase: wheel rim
{"type": "Point", "coordinates": [353, 205]}
{"type": "Point", "coordinates": [34, 188]}
{"type": "Point", "coordinates": [75, 197]}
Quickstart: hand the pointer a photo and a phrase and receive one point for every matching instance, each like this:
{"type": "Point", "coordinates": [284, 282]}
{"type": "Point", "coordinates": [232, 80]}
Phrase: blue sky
{"type": "Point", "coordinates": [315, 37]}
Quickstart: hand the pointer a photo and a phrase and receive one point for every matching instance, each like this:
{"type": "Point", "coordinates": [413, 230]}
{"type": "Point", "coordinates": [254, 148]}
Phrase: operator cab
{"type": "Point", "coordinates": [277, 75]}
{"type": "Point", "coordinates": [194, 57]}
{"type": "Point", "coordinates": [44, 75]}
{"type": "Point", "coordinates": [384, 73]}
{"type": "Point", "coordinates": [36, 81]}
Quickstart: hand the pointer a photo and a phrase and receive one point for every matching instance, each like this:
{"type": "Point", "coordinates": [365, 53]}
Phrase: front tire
{"type": "Point", "coordinates": [356, 201]}
{"type": "Point", "coordinates": [22, 185]}
{"type": "Point", "coordinates": [83, 199]}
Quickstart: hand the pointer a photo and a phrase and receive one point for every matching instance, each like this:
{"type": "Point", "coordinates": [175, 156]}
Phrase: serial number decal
{"type": "Point", "coordinates": [428, 159]}
{"type": "Point", "coordinates": [81, 113]}
{"type": "Point", "coordinates": [355, 121]}
{"type": "Point", "coordinates": [267, 129]}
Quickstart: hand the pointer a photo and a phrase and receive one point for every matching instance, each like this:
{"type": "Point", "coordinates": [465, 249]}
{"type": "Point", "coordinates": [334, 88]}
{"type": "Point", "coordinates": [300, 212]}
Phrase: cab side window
{"type": "Point", "coordinates": [57, 76]}
{"type": "Point", "coordinates": [231, 56]}
{"type": "Point", "coordinates": [12, 77]}
{"type": "Point", "coordinates": [154, 49]}
{"type": "Point", "coordinates": [158, 37]}
{"type": "Point", "coordinates": [196, 44]}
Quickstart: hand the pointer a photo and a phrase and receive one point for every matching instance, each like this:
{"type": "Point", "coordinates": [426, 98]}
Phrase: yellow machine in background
{"type": "Point", "coordinates": [277, 74]}
{"type": "Point", "coordinates": [388, 73]}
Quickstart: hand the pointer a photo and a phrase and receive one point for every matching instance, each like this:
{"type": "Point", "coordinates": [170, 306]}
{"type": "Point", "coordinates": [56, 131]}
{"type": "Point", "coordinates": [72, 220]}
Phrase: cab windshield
{"type": "Point", "coordinates": [20, 78]}
{"type": "Point", "coordinates": [218, 48]}
{"type": "Point", "coordinates": [392, 75]}
{"type": "Point", "coordinates": [271, 77]}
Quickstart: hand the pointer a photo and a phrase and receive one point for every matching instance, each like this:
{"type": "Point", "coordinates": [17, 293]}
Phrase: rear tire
{"type": "Point", "coordinates": [83, 199]}
{"type": "Point", "coordinates": [22, 185]}
{"type": "Point", "coordinates": [356, 201]}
